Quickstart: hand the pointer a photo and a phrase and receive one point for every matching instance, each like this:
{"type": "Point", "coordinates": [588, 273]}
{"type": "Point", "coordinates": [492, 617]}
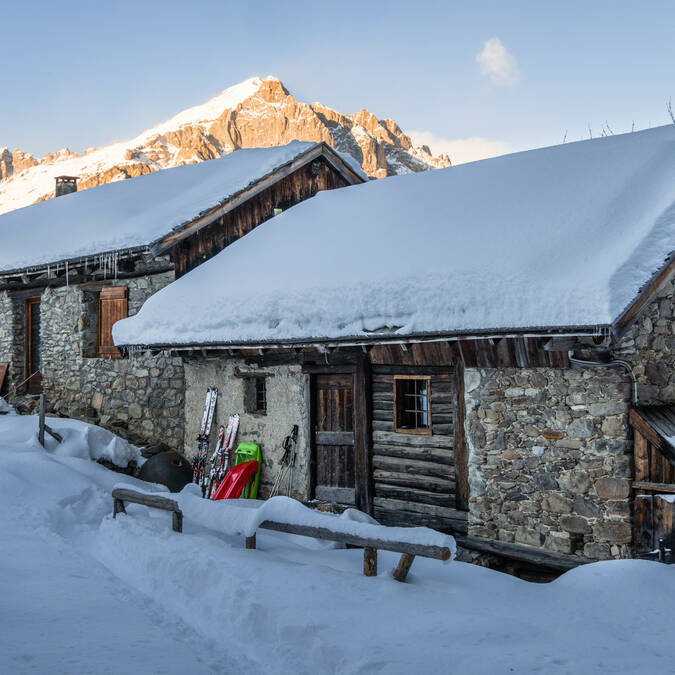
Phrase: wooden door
{"type": "Point", "coordinates": [333, 431]}
{"type": "Point", "coordinates": [33, 346]}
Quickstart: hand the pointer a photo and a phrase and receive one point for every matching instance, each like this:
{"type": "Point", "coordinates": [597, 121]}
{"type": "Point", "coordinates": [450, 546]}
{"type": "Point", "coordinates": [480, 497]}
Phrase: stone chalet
{"type": "Point", "coordinates": [479, 349]}
{"type": "Point", "coordinates": [72, 266]}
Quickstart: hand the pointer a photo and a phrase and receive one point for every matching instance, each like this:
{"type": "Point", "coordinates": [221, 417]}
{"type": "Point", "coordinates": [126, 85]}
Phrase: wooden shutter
{"type": "Point", "coordinates": [112, 306]}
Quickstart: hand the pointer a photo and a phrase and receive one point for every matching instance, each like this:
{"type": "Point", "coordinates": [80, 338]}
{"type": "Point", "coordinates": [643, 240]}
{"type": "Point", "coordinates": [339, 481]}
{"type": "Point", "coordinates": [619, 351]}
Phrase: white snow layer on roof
{"type": "Point", "coordinates": [132, 212]}
{"type": "Point", "coordinates": [561, 236]}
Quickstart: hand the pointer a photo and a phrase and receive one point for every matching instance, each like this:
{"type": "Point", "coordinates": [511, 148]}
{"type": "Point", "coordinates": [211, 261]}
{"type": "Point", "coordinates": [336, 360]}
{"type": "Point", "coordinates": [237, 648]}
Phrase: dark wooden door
{"type": "Point", "coordinates": [333, 429]}
{"type": "Point", "coordinates": [33, 347]}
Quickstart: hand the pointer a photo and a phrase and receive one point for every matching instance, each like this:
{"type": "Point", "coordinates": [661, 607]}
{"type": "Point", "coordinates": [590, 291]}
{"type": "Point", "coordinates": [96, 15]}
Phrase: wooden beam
{"type": "Point", "coordinates": [370, 561]}
{"type": "Point", "coordinates": [170, 240]}
{"type": "Point", "coordinates": [120, 495]}
{"type": "Point", "coordinates": [426, 551]}
{"type": "Point", "coordinates": [637, 422]}
{"type": "Point", "coordinates": [644, 299]}
{"type": "Point", "coordinates": [556, 561]}
{"type": "Point", "coordinates": [363, 437]}
{"type": "Point", "coordinates": [667, 488]}
{"type": "Point", "coordinates": [403, 567]}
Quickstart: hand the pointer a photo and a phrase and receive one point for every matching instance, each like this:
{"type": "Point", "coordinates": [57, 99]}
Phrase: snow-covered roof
{"type": "Point", "coordinates": [564, 236]}
{"type": "Point", "coordinates": [136, 212]}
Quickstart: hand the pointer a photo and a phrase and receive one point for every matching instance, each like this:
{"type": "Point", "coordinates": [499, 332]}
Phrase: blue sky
{"type": "Point", "coordinates": [79, 74]}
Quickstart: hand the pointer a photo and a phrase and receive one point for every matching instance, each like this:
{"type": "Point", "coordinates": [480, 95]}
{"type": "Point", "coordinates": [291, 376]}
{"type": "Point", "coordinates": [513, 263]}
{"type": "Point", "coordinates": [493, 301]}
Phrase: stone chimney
{"type": "Point", "coordinates": [65, 185]}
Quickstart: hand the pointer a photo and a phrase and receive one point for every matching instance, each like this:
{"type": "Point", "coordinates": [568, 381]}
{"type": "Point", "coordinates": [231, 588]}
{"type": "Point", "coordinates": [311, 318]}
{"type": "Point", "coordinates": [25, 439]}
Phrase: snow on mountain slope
{"type": "Point", "coordinates": [259, 112]}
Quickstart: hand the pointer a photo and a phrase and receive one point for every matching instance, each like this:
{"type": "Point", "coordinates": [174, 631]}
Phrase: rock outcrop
{"type": "Point", "coordinates": [254, 113]}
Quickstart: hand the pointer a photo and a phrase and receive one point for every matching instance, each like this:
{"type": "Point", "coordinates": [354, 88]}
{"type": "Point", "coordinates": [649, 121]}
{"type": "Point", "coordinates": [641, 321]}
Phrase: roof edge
{"type": "Point", "coordinates": [644, 298]}
{"type": "Point", "coordinates": [360, 340]}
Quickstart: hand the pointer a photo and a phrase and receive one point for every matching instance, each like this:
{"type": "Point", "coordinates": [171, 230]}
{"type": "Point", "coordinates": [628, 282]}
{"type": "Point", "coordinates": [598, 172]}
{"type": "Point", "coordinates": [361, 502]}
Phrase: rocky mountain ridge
{"type": "Point", "coordinates": [254, 113]}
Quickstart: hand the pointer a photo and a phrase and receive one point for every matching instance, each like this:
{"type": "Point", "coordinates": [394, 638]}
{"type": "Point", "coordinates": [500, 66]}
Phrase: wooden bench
{"type": "Point", "coordinates": [121, 495]}
{"type": "Point", "coordinates": [370, 546]}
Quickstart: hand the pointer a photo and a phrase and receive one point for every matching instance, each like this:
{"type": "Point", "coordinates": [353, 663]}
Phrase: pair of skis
{"type": "Point", "coordinates": [199, 461]}
{"type": "Point", "coordinates": [222, 455]}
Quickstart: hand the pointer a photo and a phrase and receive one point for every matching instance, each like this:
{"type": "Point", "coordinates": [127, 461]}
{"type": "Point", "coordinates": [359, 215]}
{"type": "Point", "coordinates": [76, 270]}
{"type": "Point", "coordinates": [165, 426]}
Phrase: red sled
{"type": "Point", "coordinates": [235, 480]}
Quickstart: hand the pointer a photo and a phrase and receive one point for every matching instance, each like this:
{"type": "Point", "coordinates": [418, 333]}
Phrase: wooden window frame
{"type": "Point", "coordinates": [251, 394]}
{"type": "Point", "coordinates": [109, 293]}
{"type": "Point", "coordinates": [428, 431]}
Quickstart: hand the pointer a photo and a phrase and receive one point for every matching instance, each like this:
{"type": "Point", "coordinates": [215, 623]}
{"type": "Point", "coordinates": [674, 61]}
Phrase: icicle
{"type": "Point", "coordinates": [66, 274]}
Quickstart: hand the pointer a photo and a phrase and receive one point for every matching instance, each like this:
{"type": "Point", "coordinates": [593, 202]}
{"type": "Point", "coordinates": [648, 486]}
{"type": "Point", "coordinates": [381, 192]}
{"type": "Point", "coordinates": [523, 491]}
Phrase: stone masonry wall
{"type": "Point", "coordinates": [649, 346]}
{"type": "Point", "coordinates": [550, 458]}
{"type": "Point", "coordinates": [139, 397]}
{"type": "Point", "coordinates": [287, 404]}
{"type": "Point", "coordinates": [11, 340]}
{"type": "Point", "coordinates": [551, 451]}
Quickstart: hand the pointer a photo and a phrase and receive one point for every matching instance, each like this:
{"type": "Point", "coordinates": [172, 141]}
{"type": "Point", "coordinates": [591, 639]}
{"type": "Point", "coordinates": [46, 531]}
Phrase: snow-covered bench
{"type": "Point", "coordinates": [370, 546]}
{"type": "Point", "coordinates": [121, 495]}
{"type": "Point", "coordinates": [282, 514]}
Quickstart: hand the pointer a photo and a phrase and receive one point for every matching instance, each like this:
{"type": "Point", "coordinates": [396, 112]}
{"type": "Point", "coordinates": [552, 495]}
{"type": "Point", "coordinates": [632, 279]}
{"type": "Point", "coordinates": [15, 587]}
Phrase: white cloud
{"type": "Point", "coordinates": [460, 150]}
{"type": "Point", "coordinates": [497, 63]}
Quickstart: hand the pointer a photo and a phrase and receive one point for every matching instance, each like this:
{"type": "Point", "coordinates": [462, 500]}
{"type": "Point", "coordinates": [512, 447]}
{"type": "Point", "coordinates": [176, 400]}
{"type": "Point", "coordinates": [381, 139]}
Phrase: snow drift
{"type": "Point", "coordinates": [558, 237]}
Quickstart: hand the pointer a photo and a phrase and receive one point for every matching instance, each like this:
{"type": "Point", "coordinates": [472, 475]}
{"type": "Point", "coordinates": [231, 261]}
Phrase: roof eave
{"type": "Point", "coordinates": [644, 298]}
{"type": "Point", "coordinates": [379, 339]}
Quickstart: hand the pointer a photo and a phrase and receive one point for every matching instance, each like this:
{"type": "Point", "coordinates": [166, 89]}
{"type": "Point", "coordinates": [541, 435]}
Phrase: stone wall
{"type": "Point", "coordinates": [139, 397]}
{"type": "Point", "coordinates": [12, 349]}
{"type": "Point", "coordinates": [287, 404]}
{"type": "Point", "coordinates": [550, 458]}
{"type": "Point", "coordinates": [649, 346]}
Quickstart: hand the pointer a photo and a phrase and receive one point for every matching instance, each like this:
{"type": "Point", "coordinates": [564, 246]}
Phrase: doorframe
{"type": "Point", "coordinates": [33, 384]}
{"type": "Point", "coordinates": [361, 387]}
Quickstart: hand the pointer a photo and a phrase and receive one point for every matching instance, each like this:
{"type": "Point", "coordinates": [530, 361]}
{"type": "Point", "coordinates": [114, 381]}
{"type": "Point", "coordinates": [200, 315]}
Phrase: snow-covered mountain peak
{"type": "Point", "coordinates": [258, 112]}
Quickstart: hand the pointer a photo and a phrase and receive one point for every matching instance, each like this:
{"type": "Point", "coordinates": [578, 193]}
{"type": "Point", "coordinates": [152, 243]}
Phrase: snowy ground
{"type": "Point", "coordinates": [82, 593]}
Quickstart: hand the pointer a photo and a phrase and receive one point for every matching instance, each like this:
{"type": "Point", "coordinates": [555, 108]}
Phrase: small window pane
{"type": "Point", "coordinates": [412, 412]}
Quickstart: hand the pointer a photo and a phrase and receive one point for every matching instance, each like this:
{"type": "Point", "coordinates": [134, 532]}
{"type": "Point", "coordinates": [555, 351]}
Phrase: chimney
{"type": "Point", "coordinates": [65, 185]}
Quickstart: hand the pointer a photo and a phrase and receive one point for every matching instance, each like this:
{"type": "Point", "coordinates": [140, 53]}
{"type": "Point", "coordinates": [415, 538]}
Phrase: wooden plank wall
{"type": "Point", "coordinates": [213, 238]}
{"type": "Point", "coordinates": [414, 474]}
{"type": "Point", "coordinates": [651, 466]}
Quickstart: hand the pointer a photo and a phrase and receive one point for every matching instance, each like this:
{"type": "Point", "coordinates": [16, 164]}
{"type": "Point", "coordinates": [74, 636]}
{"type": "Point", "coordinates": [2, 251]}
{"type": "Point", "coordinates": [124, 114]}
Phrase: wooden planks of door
{"type": "Point", "coordinates": [334, 438]}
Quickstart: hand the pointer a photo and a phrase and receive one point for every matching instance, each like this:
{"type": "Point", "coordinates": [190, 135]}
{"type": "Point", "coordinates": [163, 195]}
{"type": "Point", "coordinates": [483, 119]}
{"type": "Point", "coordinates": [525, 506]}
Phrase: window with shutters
{"type": "Point", "coordinates": [112, 306]}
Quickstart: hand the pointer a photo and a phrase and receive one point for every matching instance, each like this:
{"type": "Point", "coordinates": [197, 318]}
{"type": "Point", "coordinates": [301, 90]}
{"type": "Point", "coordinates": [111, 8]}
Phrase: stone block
{"type": "Point", "coordinates": [614, 531]}
{"type": "Point", "coordinates": [581, 428]}
{"type": "Point", "coordinates": [556, 503]}
{"type": "Point", "coordinates": [545, 481]}
{"type": "Point", "coordinates": [560, 542]}
{"type": "Point", "coordinates": [575, 524]}
{"type": "Point", "coordinates": [528, 537]}
{"type": "Point", "coordinates": [597, 551]}
{"type": "Point", "coordinates": [612, 488]}
{"type": "Point", "coordinates": [135, 411]}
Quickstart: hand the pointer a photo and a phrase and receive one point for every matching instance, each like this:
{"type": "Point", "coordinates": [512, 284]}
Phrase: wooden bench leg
{"type": "Point", "coordinates": [403, 567]}
{"type": "Point", "coordinates": [118, 507]}
{"type": "Point", "coordinates": [177, 522]}
{"type": "Point", "coordinates": [370, 561]}
{"type": "Point", "coordinates": [250, 541]}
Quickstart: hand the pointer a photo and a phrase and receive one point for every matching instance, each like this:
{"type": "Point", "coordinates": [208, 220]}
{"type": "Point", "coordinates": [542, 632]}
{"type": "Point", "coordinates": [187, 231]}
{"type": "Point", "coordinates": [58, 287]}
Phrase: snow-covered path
{"type": "Point", "coordinates": [83, 593]}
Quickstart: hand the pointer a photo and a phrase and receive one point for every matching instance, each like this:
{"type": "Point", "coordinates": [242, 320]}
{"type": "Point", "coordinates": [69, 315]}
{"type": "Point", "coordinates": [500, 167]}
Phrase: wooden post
{"type": "Point", "coordinates": [177, 521]}
{"type": "Point", "coordinates": [403, 567]}
{"type": "Point", "coordinates": [662, 551]}
{"type": "Point", "coordinates": [370, 561]}
{"type": "Point", "coordinates": [250, 541]}
{"type": "Point", "coordinates": [41, 423]}
{"type": "Point", "coordinates": [118, 507]}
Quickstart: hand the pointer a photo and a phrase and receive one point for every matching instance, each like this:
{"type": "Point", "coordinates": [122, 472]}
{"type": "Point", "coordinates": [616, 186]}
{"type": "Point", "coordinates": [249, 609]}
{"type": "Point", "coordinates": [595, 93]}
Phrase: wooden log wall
{"type": "Point", "coordinates": [288, 191]}
{"type": "Point", "coordinates": [414, 474]}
